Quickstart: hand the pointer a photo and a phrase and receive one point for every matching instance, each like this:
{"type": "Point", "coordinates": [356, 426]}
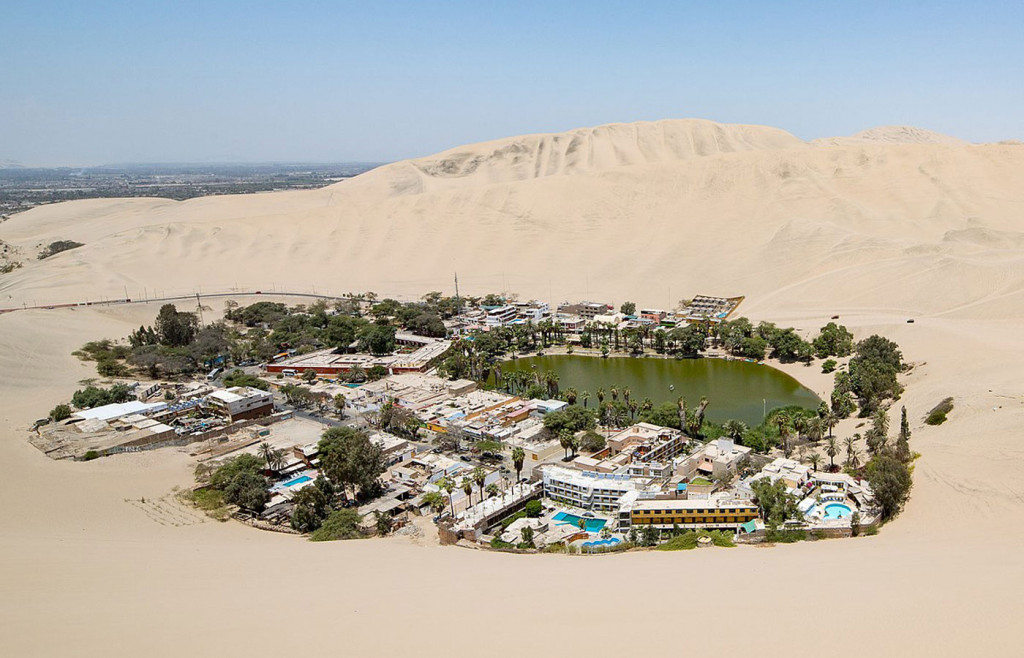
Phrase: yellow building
{"type": "Point", "coordinates": [665, 514]}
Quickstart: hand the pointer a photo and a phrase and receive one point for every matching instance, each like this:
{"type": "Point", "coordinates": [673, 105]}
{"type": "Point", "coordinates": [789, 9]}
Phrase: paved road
{"type": "Point", "coordinates": [173, 298]}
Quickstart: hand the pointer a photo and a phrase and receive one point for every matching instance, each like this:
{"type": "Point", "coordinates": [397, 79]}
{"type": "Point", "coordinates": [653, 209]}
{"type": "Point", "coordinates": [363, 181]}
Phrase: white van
{"type": "Point", "coordinates": [214, 374]}
{"type": "Point", "coordinates": [289, 372]}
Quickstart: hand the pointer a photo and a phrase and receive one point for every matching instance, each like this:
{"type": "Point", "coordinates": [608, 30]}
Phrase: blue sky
{"type": "Point", "coordinates": [102, 82]}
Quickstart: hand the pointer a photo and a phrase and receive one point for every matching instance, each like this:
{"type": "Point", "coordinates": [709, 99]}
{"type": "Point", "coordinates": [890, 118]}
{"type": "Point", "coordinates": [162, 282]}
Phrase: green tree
{"type": "Point", "coordinates": [311, 508]}
{"type": "Point", "coordinates": [377, 339]}
{"type": "Point", "coordinates": [175, 328]}
{"type": "Point", "coordinates": [574, 419]}
{"type": "Point", "coordinates": [384, 523]}
{"type": "Point", "coordinates": [467, 488]}
{"type": "Point", "coordinates": [834, 340]}
{"type": "Point", "coordinates": [774, 503]}
{"type": "Point", "coordinates": [341, 524]}
{"type": "Point", "coordinates": [592, 441]}
{"type": "Point", "coordinates": [350, 460]}
{"type": "Point", "coordinates": [309, 375]}
{"type": "Point", "coordinates": [890, 482]}
{"type": "Point", "coordinates": [627, 308]}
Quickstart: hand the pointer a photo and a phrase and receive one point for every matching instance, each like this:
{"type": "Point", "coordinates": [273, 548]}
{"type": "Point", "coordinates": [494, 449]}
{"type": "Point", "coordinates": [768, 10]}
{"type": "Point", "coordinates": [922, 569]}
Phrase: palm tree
{"type": "Point", "coordinates": [625, 394]}
{"type": "Point", "coordinates": [830, 419]}
{"type": "Point", "coordinates": [782, 421]}
{"type": "Point", "coordinates": [600, 396]}
{"type": "Point", "coordinates": [735, 429]}
{"type": "Point", "coordinates": [832, 449]}
{"type": "Point", "coordinates": [815, 428]}
{"type": "Point", "coordinates": [273, 458]}
{"type": "Point", "coordinates": [586, 398]}
{"type": "Point", "coordinates": [518, 457]}
{"type": "Point", "coordinates": [448, 485]}
{"type": "Point", "coordinates": [852, 454]}
{"type": "Point", "coordinates": [435, 501]}
{"type": "Point", "coordinates": [815, 460]}
{"type": "Point", "coordinates": [565, 440]}
{"type": "Point", "coordinates": [339, 405]}
{"type": "Point", "coordinates": [571, 395]}
{"type": "Point", "coordinates": [480, 476]}
{"type": "Point", "coordinates": [467, 487]}
{"type": "Point", "coordinates": [615, 394]}
{"type": "Point", "coordinates": [646, 405]}
{"type": "Point", "coordinates": [493, 490]}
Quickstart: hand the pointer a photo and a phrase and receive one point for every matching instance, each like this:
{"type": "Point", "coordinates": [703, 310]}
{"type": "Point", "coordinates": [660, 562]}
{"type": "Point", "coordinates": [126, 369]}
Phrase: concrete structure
{"type": "Point", "coordinates": [720, 459]}
{"type": "Point", "coordinates": [241, 402]}
{"type": "Point", "coordinates": [331, 363]}
{"type": "Point", "coordinates": [532, 310]}
{"type": "Point", "coordinates": [648, 443]}
{"type": "Point", "coordinates": [586, 489]}
{"type": "Point", "coordinates": [586, 310]}
{"type": "Point", "coordinates": [715, 309]}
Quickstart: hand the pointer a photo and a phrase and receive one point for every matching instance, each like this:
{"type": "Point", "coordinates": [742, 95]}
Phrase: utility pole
{"type": "Point", "coordinates": [458, 303]}
{"type": "Point", "coordinates": [199, 306]}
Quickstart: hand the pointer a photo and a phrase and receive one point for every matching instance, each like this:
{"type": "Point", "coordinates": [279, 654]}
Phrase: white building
{"type": "Point", "coordinates": [586, 489]}
{"type": "Point", "coordinates": [500, 316]}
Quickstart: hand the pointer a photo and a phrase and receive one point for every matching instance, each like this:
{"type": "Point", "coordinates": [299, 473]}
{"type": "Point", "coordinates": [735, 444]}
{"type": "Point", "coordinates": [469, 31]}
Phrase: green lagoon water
{"type": "Point", "coordinates": [735, 389]}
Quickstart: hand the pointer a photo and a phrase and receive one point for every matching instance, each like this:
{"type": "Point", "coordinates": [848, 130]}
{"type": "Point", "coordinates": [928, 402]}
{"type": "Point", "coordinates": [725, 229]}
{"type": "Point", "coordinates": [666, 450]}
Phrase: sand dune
{"type": "Point", "coordinates": [877, 228]}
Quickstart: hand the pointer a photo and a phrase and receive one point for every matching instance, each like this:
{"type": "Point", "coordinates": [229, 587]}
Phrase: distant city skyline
{"type": "Point", "coordinates": [231, 82]}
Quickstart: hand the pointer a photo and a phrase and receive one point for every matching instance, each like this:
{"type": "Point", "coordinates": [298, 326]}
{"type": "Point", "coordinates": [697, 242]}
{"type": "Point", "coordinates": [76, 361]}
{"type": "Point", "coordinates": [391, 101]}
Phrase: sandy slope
{"type": "Point", "coordinates": [876, 231]}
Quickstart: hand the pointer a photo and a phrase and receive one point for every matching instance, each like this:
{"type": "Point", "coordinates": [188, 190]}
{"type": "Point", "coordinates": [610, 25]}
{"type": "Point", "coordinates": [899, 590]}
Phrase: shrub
{"type": "Point", "coordinates": [497, 543]}
{"type": "Point", "coordinates": [829, 366]}
{"type": "Point", "coordinates": [684, 542]}
{"type": "Point", "coordinates": [533, 509]}
{"type": "Point", "coordinates": [341, 524]}
{"type": "Point", "coordinates": [240, 378]}
{"type": "Point", "coordinates": [937, 416]}
{"type": "Point", "coordinates": [60, 412]}
{"type": "Point", "coordinates": [58, 246]}
{"type": "Point", "coordinates": [722, 538]}
{"type": "Point", "coordinates": [90, 455]}
{"type": "Point", "coordinates": [784, 536]}
{"type": "Point", "coordinates": [507, 521]}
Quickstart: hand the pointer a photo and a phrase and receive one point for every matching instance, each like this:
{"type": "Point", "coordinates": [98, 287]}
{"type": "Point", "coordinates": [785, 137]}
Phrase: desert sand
{"type": "Point", "coordinates": [880, 227]}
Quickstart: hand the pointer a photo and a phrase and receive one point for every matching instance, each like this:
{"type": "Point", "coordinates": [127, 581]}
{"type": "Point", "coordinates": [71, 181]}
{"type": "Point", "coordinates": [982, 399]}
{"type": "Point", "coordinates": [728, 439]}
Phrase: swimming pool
{"type": "Point", "coordinates": [590, 525]}
{"type": "Point", "coordinates": [298, 480]}
{"type": "Point", "coordinates": [837, 511]}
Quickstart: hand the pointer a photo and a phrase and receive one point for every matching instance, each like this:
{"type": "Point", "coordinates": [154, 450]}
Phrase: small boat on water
{"type": "Point", "coordinates": [671, 387]}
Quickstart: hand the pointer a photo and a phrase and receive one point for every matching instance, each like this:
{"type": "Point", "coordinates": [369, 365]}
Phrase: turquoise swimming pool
{"type": "Point", "coordinates": [298, 480]}
{"type": "Point", "coordinates": [837, 511]}
{"type": "Point", "coordinates": [590, 525]}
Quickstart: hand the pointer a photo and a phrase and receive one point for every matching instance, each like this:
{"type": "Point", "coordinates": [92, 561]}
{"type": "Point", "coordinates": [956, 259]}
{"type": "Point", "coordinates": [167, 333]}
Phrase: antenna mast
{"type": "Point", "coordinates": [199, 306]}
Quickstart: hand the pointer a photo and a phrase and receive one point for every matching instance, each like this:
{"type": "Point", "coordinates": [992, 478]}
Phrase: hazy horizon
{"type": "Point", "coordinates": [311, 83]}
